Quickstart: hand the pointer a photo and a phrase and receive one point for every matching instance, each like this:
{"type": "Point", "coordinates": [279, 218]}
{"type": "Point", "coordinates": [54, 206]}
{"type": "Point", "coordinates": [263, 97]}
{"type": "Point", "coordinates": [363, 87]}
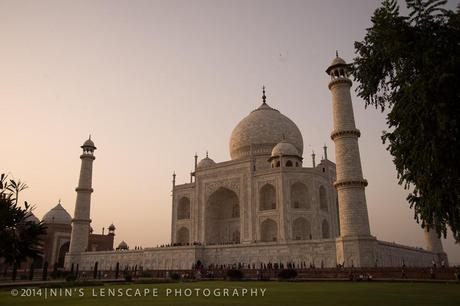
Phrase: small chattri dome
{"type": "Point", "coordinates": [30, 217]}
{"type": "Point", "coordinates": [57, 215]}
{"type": "Point", "coordinates": [206, 162]}
{"type": "Point", "coordinates": [88, 143]}
{"type": "Point", "coordinates": [285, 148]}
{"type": "Point", "coordinates": [338, 61]}
{"type": "Point", "coordinates": [111, 227]}
{"type": "Point", "coordinates": [122, 245]}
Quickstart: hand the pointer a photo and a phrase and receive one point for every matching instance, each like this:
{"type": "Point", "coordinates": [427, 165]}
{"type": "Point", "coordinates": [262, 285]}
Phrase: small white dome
{"type": "Point", "coordinates": [285, 148]}
{"type": "Point", "coordinates": [30, 217]}
{"type": "Point", "coordinates": [57, 215]}
{"type": "Point", "coordinates": [122, 245]}
{"type": "Point", "coordinates": [205, 163]}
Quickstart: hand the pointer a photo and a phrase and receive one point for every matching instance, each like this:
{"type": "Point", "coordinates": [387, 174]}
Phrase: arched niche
{"type": "Point", "coordinates": [61, 255]}
{"type": "Point", "coordinates": [183, 208]}
{"type": "Point", "coordinates": [300, 197]}
{"type": "Point", "coordinates": [267, 197]}
{"type": "Point", "coordinates": [222, 217]}
{"type": "Point", "coordinates": [268, 230]}
{"type": "Point", "coordinates": [301, 229]}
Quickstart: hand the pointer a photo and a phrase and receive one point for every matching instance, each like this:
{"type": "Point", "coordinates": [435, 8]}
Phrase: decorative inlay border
{"type": "Point", "coordinates": [231, 184]}
{"type": "Point", "coordinates": [262, 183]}
{"type": "Point", "coordinates": [181, 195]}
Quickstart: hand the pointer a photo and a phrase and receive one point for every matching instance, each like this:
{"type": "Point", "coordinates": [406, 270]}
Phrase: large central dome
{"type": "Point", "coordinates": [261, 130]}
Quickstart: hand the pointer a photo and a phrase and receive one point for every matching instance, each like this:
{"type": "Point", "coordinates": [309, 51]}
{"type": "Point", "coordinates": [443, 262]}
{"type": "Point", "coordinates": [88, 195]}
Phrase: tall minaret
{"type": "Point", "coordinates": [434, 244]}
{"type": "Point", "coordinates": [350, 184]}
{"type": "Point", "coordinates": [81, 219]}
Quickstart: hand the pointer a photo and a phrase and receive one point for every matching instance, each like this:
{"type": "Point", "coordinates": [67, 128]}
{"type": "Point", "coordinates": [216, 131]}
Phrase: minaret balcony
{"type": "Point", "coordinates": [350, 183]}
{"type": "Point", "coordinates": [345, 133]}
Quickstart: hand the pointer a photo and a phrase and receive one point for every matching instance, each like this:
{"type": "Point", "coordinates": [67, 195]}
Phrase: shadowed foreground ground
{"type": "Point", "coordinates": [277, 293]}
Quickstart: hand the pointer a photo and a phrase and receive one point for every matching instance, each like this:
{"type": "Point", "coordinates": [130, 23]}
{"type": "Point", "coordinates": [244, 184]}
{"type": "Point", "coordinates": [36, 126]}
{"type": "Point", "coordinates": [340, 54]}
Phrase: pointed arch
{"type": "Point", "coordinates": [300, 197]}
{"type": "Point", "coordinates": [268, 230]}
{"type": "Point", "coordinates": [61, 255]}
{"type": "Point", "coordinates": [267, 197]}
{"type": "Point", "coordinates": [222, 217]}
{"type": "Point", "coordinates": [183, 208]}
{"type": "Point", "coordinates": [301, 229]}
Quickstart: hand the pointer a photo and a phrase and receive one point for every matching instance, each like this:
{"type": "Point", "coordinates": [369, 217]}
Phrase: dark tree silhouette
{"type": "Point", "coordinates": [19, 235]}
{"type": "Point", "coordinates": [409, 66]}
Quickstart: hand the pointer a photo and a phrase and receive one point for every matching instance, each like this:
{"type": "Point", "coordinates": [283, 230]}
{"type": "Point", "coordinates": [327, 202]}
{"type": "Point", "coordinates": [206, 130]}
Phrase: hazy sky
{"type": "Point", "coordinates": [156, 81]}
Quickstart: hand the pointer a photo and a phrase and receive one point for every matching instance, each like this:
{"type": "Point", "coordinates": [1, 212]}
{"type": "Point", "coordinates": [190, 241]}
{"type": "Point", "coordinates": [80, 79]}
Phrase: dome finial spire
{"type": "Point", "coordinates": [264, 98]}
{"type": "Point", "coordinates": [336, 53]}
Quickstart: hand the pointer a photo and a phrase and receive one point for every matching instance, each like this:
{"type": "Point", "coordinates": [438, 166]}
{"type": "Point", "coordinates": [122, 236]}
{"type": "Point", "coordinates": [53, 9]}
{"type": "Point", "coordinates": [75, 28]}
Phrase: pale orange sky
{"type": "Point", "coordinates": [156, 81]}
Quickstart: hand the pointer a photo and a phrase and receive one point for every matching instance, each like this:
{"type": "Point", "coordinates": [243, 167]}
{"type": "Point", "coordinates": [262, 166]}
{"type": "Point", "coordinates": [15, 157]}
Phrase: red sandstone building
{"type": "Point", "coordinates": [56, 242]}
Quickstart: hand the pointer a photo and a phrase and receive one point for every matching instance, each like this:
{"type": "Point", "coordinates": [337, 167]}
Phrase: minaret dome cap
{"type": "Point", "coordinates": [89, 144]}
{"type": "Point", "coordinates": [336, 62]}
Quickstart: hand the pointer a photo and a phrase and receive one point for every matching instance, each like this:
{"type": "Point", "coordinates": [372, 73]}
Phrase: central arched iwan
{"type": "Point", "coordinates": [222, 217]}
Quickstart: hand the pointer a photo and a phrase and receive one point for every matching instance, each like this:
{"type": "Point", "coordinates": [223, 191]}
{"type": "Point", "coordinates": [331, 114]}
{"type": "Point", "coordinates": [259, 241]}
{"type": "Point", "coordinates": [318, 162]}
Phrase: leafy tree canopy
{"type": "Point", "coordinates": [409, 66]}
{"type": "Point", "coordinates": [19, 235]}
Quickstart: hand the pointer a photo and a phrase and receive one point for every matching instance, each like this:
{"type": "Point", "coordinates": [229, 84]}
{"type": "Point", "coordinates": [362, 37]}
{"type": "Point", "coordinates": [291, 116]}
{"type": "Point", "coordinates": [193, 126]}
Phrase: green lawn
{"type": "Point", "coordinates": [277, 293]}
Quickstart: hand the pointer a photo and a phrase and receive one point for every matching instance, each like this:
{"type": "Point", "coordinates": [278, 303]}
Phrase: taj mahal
{"type": "Point", "coordinates": [265, 204]}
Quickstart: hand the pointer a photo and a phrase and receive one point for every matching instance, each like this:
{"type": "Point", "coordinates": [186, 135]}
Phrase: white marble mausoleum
{"type": "Point", "coordinates": [265, 204]}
